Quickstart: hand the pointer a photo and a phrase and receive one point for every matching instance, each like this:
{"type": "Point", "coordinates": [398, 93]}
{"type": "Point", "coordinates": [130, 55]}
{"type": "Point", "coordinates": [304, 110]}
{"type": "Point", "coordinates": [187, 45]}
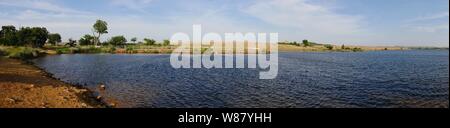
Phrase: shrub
{"type": "Point", "coordinates": [306, 43]}
{"type": "Point", "coordinates": [166, 42]}
{"type": "Point", "coordinates": [131, 50]}
{"type": "Point", "coordinates": [117, 40]}
{"type": "Point", "coordinates": [87, 40]}
{"type": "Point", "coordinates": [149, 41]}
{"type": "Point", "coordinates": [329, 47]}
{"type": "Point", "coordinates": [357, 50]}
{"type": "Point", "coordinates": [2, 51]}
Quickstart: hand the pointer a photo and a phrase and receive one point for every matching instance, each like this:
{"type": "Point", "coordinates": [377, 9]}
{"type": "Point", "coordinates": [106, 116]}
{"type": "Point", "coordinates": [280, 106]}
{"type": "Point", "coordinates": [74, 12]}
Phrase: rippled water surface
{"type": "Point", "coordinates": [366, 79]}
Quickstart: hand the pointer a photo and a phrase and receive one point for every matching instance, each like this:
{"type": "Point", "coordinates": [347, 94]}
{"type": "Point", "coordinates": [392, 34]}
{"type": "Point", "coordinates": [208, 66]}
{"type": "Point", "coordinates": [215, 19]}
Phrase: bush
{"type": "Point", "coordinates": [87, 40]}
{"type": "Point", "coordinates": [306, 43]}
{"type": "Point", "coordinates": [329, 47]}
{"type": "Point", "coordinates": [131, 50]}
{"type": "Point", "coordinates": [112, 49]}
{"type": "Point", "coordinates": [2, 51]}
{"type": "Point", "coordinates": [149, 41]}
{"type": "Point", "coordinates": [166, 42]}
{"type": "Point", "coordinates": [117, 41]}
{"type": "Point", "coordinates": [357, 50]}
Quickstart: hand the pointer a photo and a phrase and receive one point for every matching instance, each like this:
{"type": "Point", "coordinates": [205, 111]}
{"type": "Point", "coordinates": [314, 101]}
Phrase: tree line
{"type": "Point", "coordinates": [39, 36]}
{"type": "Point", "coordinates": [27, 36]}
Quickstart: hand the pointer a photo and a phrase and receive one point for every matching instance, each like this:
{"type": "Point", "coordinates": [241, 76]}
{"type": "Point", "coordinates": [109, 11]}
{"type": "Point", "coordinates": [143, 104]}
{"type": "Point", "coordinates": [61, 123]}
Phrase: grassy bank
{"type": "Point", "coordinates": [20, 52]}
{"type": "Point", "coordinates": [127, 49]}
{"type": "Point", "coordinates": [29, 53]}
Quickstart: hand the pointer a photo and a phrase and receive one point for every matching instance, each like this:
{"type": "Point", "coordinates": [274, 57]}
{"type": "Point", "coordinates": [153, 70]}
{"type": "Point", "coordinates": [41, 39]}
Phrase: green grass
{"type": "Point", "coordinates": [20, 52]}
{"type": "Point", "coordinates": [129, 49]}
{"type": "Point", "coordinates": [81, 49]}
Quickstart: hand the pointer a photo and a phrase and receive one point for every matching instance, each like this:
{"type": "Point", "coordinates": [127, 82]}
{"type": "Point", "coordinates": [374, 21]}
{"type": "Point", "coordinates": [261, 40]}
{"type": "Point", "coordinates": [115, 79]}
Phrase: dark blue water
{"type": "Point", "coordinates": [365, 79]}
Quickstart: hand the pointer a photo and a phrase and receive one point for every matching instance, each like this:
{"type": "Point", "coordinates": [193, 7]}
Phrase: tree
{"type": "Point", "coordinates": [34, 37]}
{"type": "Point", "coordinates": [8, 36]}
{"type": "Point", "coordinates": [100, 27]}
{"type": "Point", "coordinates": [117, 40]}
{"type": "Point", "coordinates": [87, 40]}
{"type": "Point", "coordinates": [343, 47]}
{"type": "Point", "coordinates": [149, 41]}
{"type": "Point", "coordinates": [166, 42]}
{"type": "Point", "coordinates": [306, 43]}
{"type": "Point", "coordinates": [54, 38]}
{"type": "Point", "coordinates": [134, 39]}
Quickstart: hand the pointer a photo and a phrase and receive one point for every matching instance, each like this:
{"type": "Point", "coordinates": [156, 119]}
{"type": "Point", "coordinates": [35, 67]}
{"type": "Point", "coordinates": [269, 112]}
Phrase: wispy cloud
{"type": "Point", "coordinates": [305, 16]}
{"type": "Point", "coordinates": [441, 15]}
{"type": "Point", "coordinates": [431, 28]}
{"type": "Point", "coordinates": [438, 22]}
{"type": "Point", "coordinates": [40, 5]}
{"type": "Point", "coordinates": [136, 5]}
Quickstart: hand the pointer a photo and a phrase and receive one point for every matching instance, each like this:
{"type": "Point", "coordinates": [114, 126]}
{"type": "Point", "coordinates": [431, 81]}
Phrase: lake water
{"type": "Point", "coordinates": [364, 79]}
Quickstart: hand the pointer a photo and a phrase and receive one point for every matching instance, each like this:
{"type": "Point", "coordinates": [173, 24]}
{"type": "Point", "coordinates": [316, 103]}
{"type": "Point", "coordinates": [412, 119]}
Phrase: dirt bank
{"type": "Point", "coordinates": [26, 86]}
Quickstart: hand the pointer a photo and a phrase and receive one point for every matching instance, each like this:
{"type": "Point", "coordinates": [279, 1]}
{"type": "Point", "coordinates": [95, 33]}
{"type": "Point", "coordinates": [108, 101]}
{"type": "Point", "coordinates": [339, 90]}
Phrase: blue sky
{"type": "Point", "coordinates": [351, 22]}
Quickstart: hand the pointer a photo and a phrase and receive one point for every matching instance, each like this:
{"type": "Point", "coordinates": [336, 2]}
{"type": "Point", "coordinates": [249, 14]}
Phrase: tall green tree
{"type": "Point", "coordinates": [100, 27]}
{"type": "Point", "coordinates": [54, 38]}
{"type": "Point", "coordinates": [8, 36]}
{"type": "Point", "coordinates": [34, 37]}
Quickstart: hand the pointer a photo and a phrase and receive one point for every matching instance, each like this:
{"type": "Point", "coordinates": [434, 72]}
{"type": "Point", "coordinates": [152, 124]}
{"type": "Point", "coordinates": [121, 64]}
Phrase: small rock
{"type": "Point", "coordinates": [44, 105]}
{"type": "Point", "coordinates": [80, 90]}
{"type": "Point", "coordinates": [64, 98]}
{"type": "Point", "coordinates": [11, 100]}
{"type": "Point", "coordinates": [83, 90]}
{"type": "Point", "coordinates": [30, 87]}
{"type": "Point", "coordinates": [99, 97]}
{"type": "Point", "coordinates": [102, 87]}
{"type": "Point", "coordinates": [112, 105]}
{"type": "Point", "coordinates": [83, 105]}
{"type": "Point", "coordinates": [66, 90]}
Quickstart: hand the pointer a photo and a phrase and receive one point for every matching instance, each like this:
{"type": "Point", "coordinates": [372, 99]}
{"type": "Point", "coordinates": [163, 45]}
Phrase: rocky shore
{"type": "Point", "coordinates": [25, 86]}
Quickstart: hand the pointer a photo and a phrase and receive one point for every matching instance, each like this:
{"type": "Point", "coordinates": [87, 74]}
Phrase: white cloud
{"type": "Point", "coordinates": [305, 17]}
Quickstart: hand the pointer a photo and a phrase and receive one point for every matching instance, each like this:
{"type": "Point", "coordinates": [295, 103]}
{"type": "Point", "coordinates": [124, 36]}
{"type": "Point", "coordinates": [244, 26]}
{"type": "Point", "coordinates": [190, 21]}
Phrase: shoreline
{"type": "Point", "coordinates": [24, 85]}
